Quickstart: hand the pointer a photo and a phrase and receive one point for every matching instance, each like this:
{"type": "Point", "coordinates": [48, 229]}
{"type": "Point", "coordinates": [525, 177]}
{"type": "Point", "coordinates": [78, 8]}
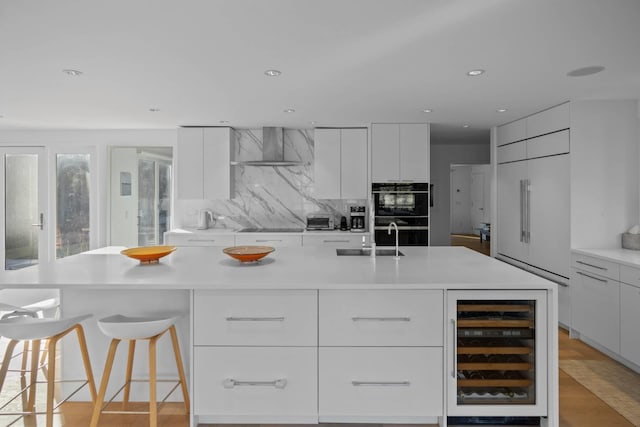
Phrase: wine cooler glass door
{"type": "Point", "coordinates": [498, 351]}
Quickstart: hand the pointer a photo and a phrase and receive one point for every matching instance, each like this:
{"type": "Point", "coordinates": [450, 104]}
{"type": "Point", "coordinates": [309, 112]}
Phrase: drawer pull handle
{"type": "Point", "coordinates": [380, 383]}
{"type": "Point", "coordinates": [335, 241]}
{"type": "Point", "coordinates": [231, 383]}
{"type": "Point", "coordinates": [591, 277]}
{"type": "Point", "coordinates": [591, 265]}
{"type": "Point", "coordinates": [201, 240]}
{"type": "Point", "coordinates": [380, 319]}
{"type": "Point", "coordinates": [255, 319]}
{"type": "Point", "coordinates": [268, 240]}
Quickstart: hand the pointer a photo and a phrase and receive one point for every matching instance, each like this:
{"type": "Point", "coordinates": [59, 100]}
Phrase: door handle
{"type": "Point", "coordinates": [521, 210]}
{"type": "Point", "coordinates": [41, 224]}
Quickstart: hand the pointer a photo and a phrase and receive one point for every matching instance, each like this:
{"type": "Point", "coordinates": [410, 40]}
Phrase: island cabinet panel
{"type": "Point", "coordinates": [255, 318]}
{"type": "Point", "coordinates": [368, 382]}
{"type": "Point", "coordinates": [255, 384]}
{"type": "Point", "coordinates": [381, 318]}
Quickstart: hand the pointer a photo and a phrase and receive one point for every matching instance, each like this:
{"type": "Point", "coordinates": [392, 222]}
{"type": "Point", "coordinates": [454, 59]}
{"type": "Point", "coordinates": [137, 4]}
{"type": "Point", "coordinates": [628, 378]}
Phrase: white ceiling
{"type": "Point", "coordinates": [343, 62]}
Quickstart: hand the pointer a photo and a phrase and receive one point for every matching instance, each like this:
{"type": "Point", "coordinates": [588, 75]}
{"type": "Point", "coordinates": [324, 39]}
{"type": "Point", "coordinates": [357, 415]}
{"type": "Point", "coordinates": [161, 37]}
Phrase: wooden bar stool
{"type": "Point", "coordinates": [120, 328]}
{"type": "Point", "coordinates": [21, 328]}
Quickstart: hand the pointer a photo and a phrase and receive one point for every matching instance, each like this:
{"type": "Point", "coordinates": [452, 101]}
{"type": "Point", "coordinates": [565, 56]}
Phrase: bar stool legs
{"type": "Point", "coordinates": [52, 330]}
{"type": "Point", "coordinates": [153, 400]}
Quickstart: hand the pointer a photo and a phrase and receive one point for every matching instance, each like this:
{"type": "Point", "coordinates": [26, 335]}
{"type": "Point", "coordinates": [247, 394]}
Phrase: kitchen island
{"type": "Point", "coordinates": [327, 338]}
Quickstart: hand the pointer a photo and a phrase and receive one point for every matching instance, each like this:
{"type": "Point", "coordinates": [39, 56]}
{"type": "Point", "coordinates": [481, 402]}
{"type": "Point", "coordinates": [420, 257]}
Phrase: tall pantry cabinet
{"type": "Point", "coordinates": [534, 198]}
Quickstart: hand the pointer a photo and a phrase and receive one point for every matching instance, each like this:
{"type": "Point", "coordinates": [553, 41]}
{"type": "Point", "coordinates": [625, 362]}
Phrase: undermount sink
{"type": "Point", "coordinates": [366, 252]}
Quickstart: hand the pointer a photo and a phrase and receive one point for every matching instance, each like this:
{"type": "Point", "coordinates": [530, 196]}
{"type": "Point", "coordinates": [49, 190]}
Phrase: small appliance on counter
{"type": "Point", "coordinates": [358, 214]}
{"type": "Point", "coordinates": [343, 223]}
{"type": "Point", "coordinates": [320, 222]}
{"type": "Point", "coordinates": [205, 219]}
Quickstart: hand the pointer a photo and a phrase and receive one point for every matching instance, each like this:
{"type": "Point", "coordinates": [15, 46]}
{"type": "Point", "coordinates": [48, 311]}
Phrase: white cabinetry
{"type": "Point", "coordinates": [203, 168]}
{"type": "Point", "coordinates": [255, 356]}
{"type": "Point", "coordinates": [199, 239]}
{"type": "Point", "coordinates": [269, 239]}
{"type": "Point", "coordinates": [533, 203]}
{"type": "Point", "coordinates": [340, 163]}
{"type": "Point", "coordinates": [595, 300]}
{"type": "Point", "coordinates": [380, 355]}
{"type": "Point", "coordinates": [629, 321]}
{"type": "Point", "coordinates": [400, 152]}
{"type": "Point", "coordinates": [342, 240]}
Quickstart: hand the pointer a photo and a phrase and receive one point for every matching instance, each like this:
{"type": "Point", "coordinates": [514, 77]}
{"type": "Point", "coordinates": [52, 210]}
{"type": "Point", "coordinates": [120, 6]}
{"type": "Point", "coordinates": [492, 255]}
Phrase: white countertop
{"type": "Point", "coordinates": [286, 268]}
{"type": "Point", "coordinates": [622, 256]}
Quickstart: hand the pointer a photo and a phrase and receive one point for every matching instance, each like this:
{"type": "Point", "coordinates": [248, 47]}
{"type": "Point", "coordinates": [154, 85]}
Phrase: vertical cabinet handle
{"type": "Point", "coordinates": [455, 348]}
{"type": "Point", "coordinates": [522, 210]}
{"type": "Point", "coordinates": [528, 201]}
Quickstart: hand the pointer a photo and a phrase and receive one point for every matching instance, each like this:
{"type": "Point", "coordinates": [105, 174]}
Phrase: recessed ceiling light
{"type": "Point", "coordinates": [154, 110]}
{"type": "Point", "coordinates": [224, 121]}
{"type": "Point", "coordinates": [585, 71]}
{"type": "Point", "coordinates": [289, 110]}
{"type": "Point", "coordinates": [428, 110]}
{"type": "Point", "coordinates": [313, 123]}
{"type": "Point", "coordinates": [72, 72]}
{"type": "Point", "coordinates": [475, 72]}
{"type": "Point", "coordinates": [273, 73]}
{"type": "Point", "coordinates": [501, 110]}
{"type": "Point", "coordinates": [465, 126]}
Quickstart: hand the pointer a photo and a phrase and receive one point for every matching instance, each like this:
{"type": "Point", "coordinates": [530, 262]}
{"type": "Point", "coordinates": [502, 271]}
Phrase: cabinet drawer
{"type": "Point", "coordinates": [596, 266]}
{"type": "Point", "coordinates": [208, 239]}
{"type": "Point", "coordinates": [255, 381]}
{"type": "Point", "coordinates": [630, 275]}
{"type": "Point", "coordinates": [548, 145]}
{"type": "Point", "coordinates": [287, 318]}
{"type": "Point", "coordinates": [512, 152]}
{"type": "Point", "coordinates": [381, 318]}
{"type": "Point", "coordinates": [333, 240]}
{"type": "Point", "coordinates": [380, 381]}
{"type": "Point", "coordinates": [268, 239]}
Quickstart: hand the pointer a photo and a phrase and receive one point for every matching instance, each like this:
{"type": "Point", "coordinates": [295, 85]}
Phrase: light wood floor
{"type": "Point", "coordinates": [472, 242]}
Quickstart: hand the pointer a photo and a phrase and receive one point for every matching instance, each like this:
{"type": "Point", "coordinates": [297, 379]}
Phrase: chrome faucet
{"type": "Point", "coordinates": [394, 225]}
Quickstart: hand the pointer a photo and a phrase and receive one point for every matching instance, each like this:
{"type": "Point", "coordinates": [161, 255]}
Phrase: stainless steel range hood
{"type": "Point", "coordinates": [272, 150]}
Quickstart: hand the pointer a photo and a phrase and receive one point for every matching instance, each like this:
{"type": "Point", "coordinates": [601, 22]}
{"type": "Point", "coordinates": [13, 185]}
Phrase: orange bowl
{"type": "Point", "coordinates": [248, 253]}
{"type": "Point", "coordinates": [148, 254]}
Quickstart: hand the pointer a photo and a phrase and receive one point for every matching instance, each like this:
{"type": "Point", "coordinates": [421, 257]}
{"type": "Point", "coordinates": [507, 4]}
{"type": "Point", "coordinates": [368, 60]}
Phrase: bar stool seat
{"type": "Point", "coordinates": [119, 327]}
{"type": "Point", "coordinates": [20, 327]}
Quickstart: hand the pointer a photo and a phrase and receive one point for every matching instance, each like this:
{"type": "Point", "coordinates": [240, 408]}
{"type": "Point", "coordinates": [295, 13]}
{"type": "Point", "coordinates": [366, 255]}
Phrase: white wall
{"type": "Point", "coordinates": [460, 199]}
{"type": "Point", "coordinates": [442, 157]}
{"type": "Point", "coordinates": [604, 172]}
{"type": "Point", "coordinates": [99, 141]}
{"type": "Point", "coordinates": [124, 208]}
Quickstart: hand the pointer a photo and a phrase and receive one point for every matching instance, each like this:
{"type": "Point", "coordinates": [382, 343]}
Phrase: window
{"type": "Point", "coordinates": [72, 204]}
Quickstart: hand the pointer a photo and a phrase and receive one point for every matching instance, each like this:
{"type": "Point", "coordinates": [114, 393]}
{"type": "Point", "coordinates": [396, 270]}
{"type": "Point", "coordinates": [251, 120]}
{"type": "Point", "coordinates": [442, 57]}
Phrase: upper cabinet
{"type": "Point", "coordinates": [203, 168]}
{"type": "Point", "coordinates": [400, 152]}
{"type": "Point", "coordinates": [340, 163]}
{"type": "Point", "coordinates": [547, 121]}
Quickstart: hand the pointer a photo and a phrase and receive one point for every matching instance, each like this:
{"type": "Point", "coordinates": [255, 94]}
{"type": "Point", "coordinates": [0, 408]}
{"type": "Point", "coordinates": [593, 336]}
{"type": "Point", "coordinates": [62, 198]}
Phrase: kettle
{"type": "Point", "coordinates": [205, 219]}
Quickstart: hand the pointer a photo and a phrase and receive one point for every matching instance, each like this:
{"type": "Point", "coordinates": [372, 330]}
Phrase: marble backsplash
{"type": "Point", "coordinates": [267, 196]}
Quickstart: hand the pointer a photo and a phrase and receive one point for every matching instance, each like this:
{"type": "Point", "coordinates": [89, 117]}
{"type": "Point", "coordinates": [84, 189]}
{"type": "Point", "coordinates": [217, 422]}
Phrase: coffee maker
{"type": "Point", "coordinates": [357, 218]}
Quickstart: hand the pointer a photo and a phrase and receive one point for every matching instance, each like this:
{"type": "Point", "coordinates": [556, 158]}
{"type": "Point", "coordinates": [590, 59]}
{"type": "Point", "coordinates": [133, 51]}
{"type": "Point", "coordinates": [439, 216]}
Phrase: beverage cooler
{"type": "Point", "coordinates": [497, 348]}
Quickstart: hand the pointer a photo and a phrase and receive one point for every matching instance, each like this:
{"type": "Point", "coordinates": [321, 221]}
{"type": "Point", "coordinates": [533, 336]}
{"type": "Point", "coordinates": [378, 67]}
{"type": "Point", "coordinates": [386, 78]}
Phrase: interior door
{"type": "Point", "coordinates": [23, 194]}
{"type": "Point", "coordinates": [510, 210]}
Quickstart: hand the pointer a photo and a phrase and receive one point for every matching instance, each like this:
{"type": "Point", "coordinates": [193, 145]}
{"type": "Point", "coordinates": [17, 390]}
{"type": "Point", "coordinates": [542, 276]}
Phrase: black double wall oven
{"type": "Point", "coordinates": [406, 204]}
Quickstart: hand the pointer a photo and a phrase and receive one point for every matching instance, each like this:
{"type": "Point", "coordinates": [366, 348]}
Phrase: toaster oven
{"type": "Point", "coordinates": [320, 222]}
